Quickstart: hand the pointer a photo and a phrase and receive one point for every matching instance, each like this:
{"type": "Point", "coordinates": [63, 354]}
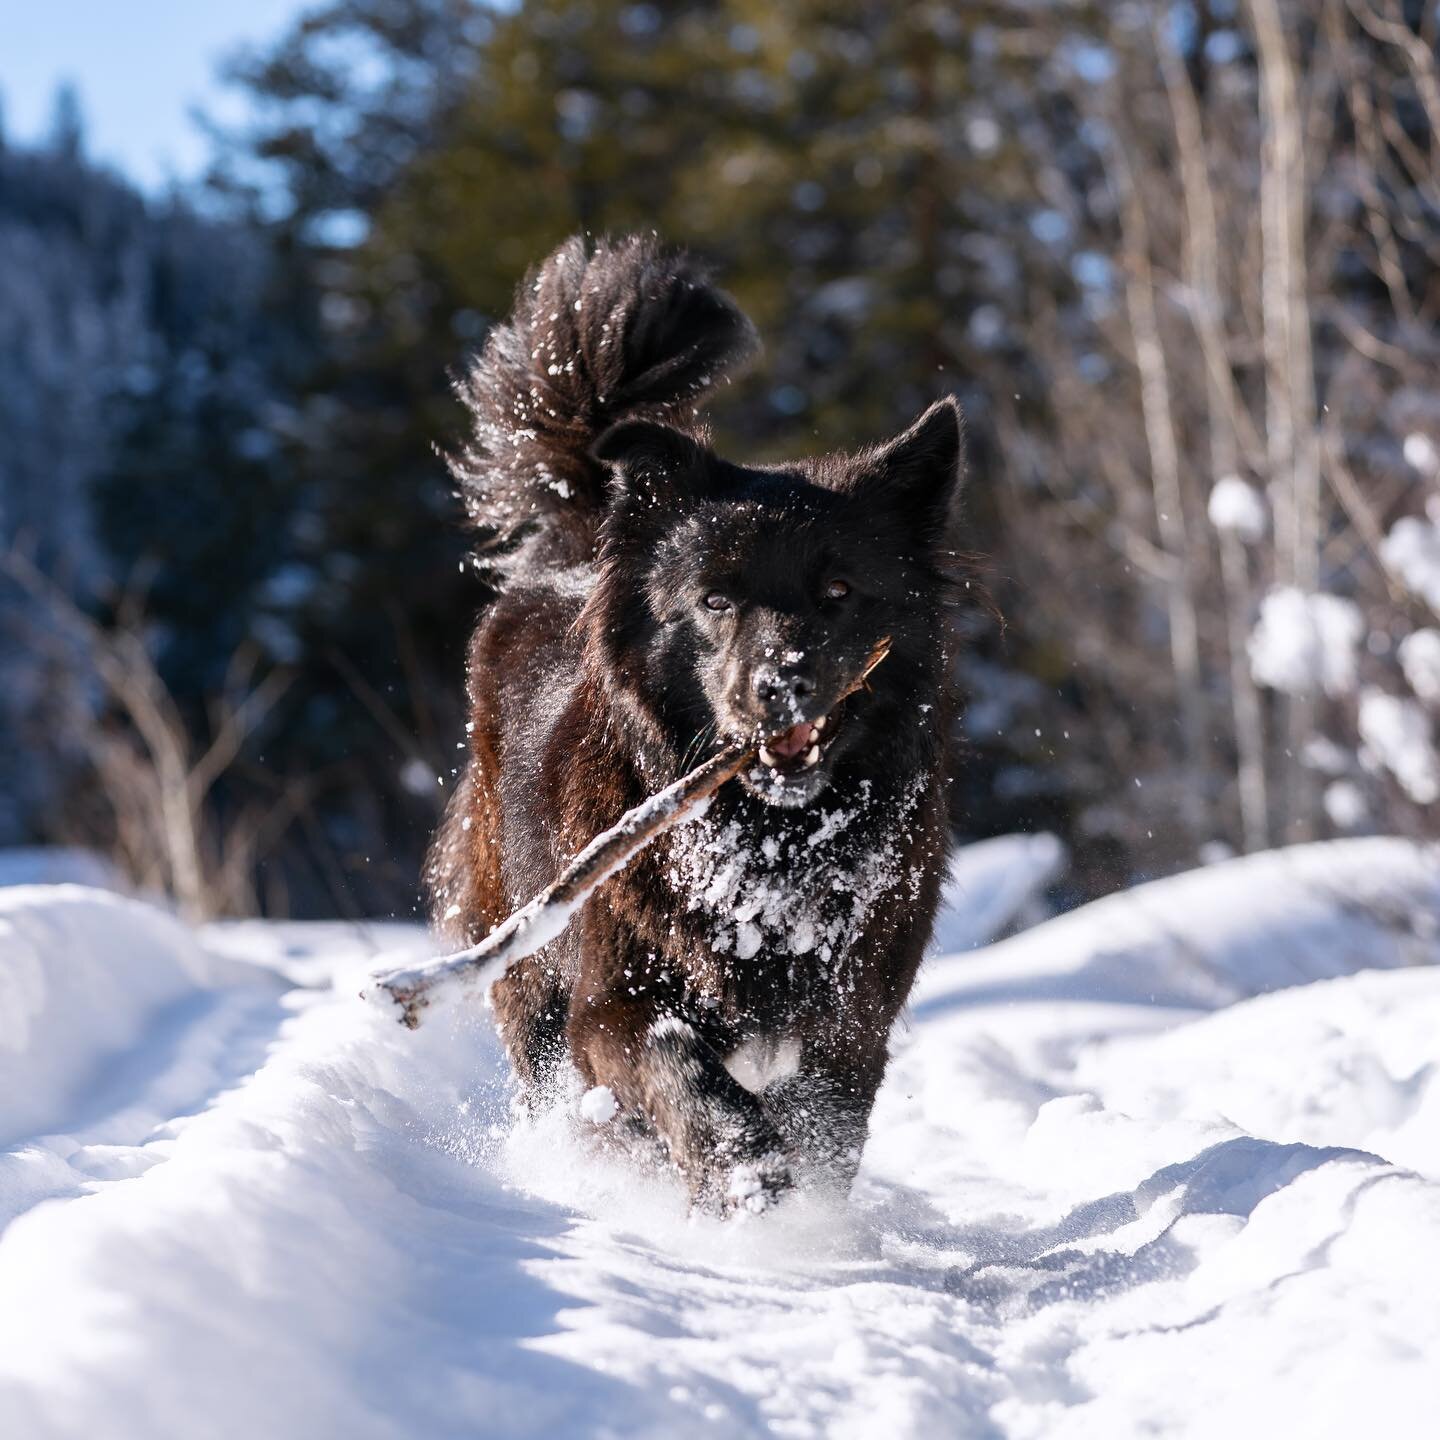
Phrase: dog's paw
{"type": "Point", "coordinates": [756, 1185]}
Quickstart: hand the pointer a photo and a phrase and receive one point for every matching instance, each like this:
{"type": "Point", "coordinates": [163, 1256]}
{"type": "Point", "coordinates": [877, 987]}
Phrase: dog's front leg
{"type": "Point", "coordinates": [659, 1067]}
{"type": "Point", "coordinates": [823, 1110]}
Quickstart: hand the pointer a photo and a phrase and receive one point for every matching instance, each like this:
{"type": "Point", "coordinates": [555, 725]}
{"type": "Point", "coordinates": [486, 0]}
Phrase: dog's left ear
{"type": "Point", "coordinates": [920, 472]}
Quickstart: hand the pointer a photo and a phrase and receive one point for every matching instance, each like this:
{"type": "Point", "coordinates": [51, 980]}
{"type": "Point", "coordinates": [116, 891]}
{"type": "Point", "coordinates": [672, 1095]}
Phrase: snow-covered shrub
{"type": "Point", "coordinates": [1411, 552]}
{"type": "Point", "coordinates": [1314, 645]}
{"type": "Point", "coordinates": [1397, 735]}
{"type": "Point", "coordinates": [1236, 508]}
{"type": "Point", "coordinates": [1345, 805]}
{"type": "Point", "coordinates": [1304, 644]}
{"type": "Point", "coordinates": [1420, 660]}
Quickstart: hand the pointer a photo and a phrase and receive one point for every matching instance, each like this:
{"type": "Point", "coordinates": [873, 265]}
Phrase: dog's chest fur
{"type": "Point", "coordinates": [771, 904]}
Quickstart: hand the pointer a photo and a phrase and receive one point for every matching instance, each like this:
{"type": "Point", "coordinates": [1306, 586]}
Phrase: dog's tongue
{"type": "Point", "coordinates": [792, 742]}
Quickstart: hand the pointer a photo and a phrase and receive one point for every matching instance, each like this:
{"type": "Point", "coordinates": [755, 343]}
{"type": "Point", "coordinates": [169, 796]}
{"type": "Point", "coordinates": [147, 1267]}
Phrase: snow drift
{"type": "Point", "coordinates": [1165, 1164]}
{"type": "Point", "coordinates": [85, 976]}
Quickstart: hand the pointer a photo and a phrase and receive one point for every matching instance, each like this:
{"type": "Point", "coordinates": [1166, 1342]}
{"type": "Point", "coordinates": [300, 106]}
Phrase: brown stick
{"type": "Point", "coordinates": [544, 919]}
{"type": "Point", "coordinates": [876, 656]}
{"type": "Point", "coordinates": [547, 915]}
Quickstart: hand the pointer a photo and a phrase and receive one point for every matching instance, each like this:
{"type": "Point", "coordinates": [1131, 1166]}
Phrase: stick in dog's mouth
{"type": "Point", "coordinates": [800, 746]}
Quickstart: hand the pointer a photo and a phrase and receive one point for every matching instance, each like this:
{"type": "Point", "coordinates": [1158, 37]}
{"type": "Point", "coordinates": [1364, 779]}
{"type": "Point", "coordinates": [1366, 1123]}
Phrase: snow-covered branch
{"type": "Point", "coordinates": [545, 918]}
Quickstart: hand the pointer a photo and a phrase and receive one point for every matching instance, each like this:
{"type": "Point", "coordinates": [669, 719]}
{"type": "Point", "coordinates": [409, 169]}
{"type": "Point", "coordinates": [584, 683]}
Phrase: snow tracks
{"type": "Point", "coordinates": [1168, 1164]}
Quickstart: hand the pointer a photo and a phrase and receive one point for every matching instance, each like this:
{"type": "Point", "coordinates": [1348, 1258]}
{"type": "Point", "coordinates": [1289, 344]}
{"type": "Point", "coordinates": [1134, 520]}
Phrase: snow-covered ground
{"type": "Point", "coordinates": [1167, 1165]}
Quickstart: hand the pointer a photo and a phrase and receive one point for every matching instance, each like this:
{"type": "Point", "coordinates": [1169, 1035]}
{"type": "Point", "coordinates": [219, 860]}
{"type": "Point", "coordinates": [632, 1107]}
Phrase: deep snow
{"type": "Point", "coordinates": [1168, 1164]}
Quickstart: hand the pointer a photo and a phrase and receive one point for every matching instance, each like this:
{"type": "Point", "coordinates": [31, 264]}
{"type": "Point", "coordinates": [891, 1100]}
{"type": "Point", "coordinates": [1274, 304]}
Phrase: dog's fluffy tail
{"type": "Point", "coordinates": [605, 332]}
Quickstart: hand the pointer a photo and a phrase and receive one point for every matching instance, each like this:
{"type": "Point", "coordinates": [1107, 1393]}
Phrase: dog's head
{"type": "Point", "coordinates": [749, 604]}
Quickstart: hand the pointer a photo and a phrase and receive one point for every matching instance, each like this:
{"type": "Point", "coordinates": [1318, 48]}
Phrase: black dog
{"type": "Point", "coordinates": [656, 601]}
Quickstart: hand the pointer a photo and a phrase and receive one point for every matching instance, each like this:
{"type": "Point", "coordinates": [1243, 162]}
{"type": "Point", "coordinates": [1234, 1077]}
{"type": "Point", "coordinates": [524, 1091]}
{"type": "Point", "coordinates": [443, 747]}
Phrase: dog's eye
{"type": "Point", "coordinates": [716, 601]}
{"type": "Point", "coordinates": [837, 590]}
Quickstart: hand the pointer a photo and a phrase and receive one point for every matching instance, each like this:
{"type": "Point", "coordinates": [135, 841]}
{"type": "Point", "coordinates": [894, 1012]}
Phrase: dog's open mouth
{"type": "Point", "coordinates": [799, 748]}
{"type": "Point", "coordinates": [790, 761]}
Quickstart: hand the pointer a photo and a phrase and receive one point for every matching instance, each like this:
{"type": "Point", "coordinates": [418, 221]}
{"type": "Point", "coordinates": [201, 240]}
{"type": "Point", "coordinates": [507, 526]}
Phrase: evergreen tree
{"type": "Point", "coordinates": [67, 123]}
{"type": "Point", "coordinates": [845, 167]}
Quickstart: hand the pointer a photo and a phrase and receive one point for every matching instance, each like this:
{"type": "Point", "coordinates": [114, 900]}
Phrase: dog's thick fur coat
{"type": "Point", "coordinates": [655, 600]}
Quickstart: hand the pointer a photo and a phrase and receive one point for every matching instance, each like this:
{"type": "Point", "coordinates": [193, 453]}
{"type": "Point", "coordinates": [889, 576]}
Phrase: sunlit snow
{"type": "Point", "coordinates": [1168, 1164]}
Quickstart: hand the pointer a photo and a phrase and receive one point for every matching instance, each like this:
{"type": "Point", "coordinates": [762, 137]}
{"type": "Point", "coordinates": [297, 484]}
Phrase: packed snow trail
{"type": "Point", "coordinates": [1113, 1187]}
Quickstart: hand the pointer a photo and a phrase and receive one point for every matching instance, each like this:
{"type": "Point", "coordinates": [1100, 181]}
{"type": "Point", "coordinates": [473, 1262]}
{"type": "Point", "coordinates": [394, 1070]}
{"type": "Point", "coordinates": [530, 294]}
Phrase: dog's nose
{"type": "Point", "coordinates": [782, 690]}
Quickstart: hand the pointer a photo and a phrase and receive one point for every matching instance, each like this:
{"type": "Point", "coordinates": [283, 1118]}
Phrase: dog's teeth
{"type": "Point", "coordinates": [767, 757]}
{"type": "Point", "coordinates": [812, 754]}
{"type": "Point", "coordinates": [820, 723]}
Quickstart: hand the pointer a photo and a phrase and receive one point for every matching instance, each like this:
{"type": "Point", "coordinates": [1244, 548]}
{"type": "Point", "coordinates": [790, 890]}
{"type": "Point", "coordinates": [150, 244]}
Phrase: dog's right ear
{"type": "Point", "coordinates": [651, 455]}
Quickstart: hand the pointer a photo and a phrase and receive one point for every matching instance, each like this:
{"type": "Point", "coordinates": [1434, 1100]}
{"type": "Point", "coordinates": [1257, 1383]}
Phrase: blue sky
{"type": "Point", "coordinates": [140, 65]}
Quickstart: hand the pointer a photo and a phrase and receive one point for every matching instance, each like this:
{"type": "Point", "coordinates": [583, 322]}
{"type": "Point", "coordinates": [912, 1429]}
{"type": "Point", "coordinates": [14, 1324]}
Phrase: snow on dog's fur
{"type": "Point", "coordinates": [656, 600]}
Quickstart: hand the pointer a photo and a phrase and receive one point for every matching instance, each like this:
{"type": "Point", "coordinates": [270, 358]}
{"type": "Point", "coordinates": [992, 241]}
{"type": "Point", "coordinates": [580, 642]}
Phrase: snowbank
{"type": "Point", "coordinates": [85, 976]}
{"type": "Point", "coordinates": [1163, 1165]}
{"type": "Point", "coordinates": [1210, 937]}
{"type": "Point", "coordinates": [995, 885]}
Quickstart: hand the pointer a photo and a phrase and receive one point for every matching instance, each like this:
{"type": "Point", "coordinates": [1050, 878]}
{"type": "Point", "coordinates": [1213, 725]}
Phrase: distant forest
{"type": "Point", "coordinates": [1178, 262]}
